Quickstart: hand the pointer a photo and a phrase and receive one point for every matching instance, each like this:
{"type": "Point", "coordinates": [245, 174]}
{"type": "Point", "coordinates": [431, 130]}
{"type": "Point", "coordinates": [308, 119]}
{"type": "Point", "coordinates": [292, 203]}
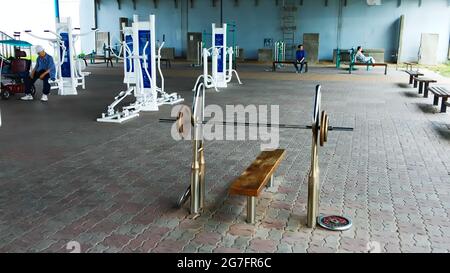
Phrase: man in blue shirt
{"type": "Point", "coordinates": [300, 58]}
{"type": "Point", "coordinates": [44, 70]}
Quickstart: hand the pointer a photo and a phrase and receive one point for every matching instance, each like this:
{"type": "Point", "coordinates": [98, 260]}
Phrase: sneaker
{"type": "Point", "coordinates": [44, 98]}
{"type": "Point", "coordinates": [27, 97]}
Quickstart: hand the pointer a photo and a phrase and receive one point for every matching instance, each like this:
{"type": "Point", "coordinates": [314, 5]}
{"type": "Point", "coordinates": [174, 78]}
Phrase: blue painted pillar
{"type": "Point", "coordinates": [57, 11]}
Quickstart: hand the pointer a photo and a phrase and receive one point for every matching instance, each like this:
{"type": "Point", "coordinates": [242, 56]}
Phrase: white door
{"type": "Point", "coordinates": [428, 48]}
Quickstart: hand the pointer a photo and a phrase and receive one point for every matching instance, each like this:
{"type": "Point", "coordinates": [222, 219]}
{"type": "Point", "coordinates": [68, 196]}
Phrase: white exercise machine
{"type": "Point", "coordinates": [69, 68]}
{"type": "Point", "coordinates": [221, 74]}
{"type": "Point", "coordinates": [140, 65]}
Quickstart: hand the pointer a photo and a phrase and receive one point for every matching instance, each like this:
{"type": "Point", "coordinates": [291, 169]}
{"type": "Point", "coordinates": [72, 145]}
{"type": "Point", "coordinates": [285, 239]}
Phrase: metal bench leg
{"type": "Point", "coordinates": [410, 79]}
{"type": "Point", "coordinates": [270, 184]}
{"type": "Point", "coordinates": [425, 90]}
{"type": "Point", "coordinates": [420, 87]}
{"type": "Point", "coordinates": [443, 105]}
{"type": "Point", "coordinates": [435, 100]}
{"type": "Point", "coordinates": [251, 209]}
{"type": "Point", "coordinates": [415, 82]}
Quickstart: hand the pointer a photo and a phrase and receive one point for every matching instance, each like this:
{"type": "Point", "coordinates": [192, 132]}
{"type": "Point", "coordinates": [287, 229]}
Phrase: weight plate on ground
{"type": "Point", "coordinates": [334, 222]}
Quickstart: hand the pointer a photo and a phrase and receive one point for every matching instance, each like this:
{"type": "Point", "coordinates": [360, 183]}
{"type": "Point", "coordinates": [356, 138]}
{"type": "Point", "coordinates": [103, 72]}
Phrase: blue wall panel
{"type": "Point", "coordinates": [369, 26]}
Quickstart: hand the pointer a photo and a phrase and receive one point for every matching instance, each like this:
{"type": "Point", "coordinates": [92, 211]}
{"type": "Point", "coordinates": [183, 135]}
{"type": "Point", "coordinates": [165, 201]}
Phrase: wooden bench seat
{"type": "Point", "coordinates": [168, 62]}
{"type": "Point", "coordinates": [259, 174]}
{"type": "Point", "coordinates": [367, 65]}
{"type": "Point", "coordinates": [440, 92]}
{"type": "Point", "coordinates": [274, 63]}
{"type": "Point", "coordinates": [409, 65]}
{"type": "Point", "coordinates": [412, 75]}
{"type": "Point", "coordinates": [424, 82]}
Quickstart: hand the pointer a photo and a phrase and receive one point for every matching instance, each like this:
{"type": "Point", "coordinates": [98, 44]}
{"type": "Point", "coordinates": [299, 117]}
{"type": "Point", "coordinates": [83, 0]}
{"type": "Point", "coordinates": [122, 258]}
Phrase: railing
{"type": "Point", "coordinates": [6, 50]}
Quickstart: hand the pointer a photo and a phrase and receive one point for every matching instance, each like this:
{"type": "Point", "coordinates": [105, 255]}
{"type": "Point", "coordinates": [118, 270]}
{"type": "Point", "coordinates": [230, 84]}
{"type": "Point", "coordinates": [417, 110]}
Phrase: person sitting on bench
{"type": "Point", "coordinates": [359, 57]}
{"type": "Point", "coordinates": [300, 56]}
{"type": "Point", "coordinates": [44, 70]}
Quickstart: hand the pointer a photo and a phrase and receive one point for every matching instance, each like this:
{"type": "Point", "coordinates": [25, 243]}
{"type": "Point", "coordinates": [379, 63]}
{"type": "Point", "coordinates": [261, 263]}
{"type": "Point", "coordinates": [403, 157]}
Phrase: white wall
{"type": "Point", "coordinates": [25, 18]}
{"type": "Point", "coordinates": [87, 13]}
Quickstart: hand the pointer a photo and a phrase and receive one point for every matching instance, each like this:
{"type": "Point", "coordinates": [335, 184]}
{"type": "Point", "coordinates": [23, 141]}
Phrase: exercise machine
{"type": "Point", "coordinates": [279, 51]}
{"type": "Point", "coordinates": [69, 68]}
{"type": "Point", "coordinates": [221, 74]}
{"type": "Point", "coordinates": [140, 65]}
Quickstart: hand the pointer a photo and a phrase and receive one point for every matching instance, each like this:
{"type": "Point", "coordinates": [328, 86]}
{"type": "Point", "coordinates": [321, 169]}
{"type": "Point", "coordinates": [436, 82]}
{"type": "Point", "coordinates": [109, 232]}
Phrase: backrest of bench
{"type": "Point", "coordinates": [255, 177]}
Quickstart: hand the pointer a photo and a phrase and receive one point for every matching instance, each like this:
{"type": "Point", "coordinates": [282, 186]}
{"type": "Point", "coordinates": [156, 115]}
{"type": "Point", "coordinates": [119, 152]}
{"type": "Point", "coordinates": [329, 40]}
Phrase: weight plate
{"type": "Point", "coordinates": [323, 128]}
{"type": "Point", "coordinates": [180, 122]}
{"type": "Point", "coordinates": [334, 222]}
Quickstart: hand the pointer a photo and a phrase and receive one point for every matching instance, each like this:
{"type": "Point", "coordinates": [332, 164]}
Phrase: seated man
{"type": "Point", "coordinates": [44, 70]}
{"type": "Point", "coordinates": [360, 58]}
{"type": "Point", "coordinates": [300, 56]}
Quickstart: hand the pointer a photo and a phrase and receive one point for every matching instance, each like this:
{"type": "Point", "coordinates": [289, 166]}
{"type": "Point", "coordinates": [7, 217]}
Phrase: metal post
{"type": "Point", "coordinates": [195, 180]}
{"type": "Point", "coordinates": [251, 209]}
{"type": "Point", "coordinates": [313, 183]}
{"type": "Point", "coordinates": [270, 184]}
{"type": "Point", "coordinates": [57, 11]}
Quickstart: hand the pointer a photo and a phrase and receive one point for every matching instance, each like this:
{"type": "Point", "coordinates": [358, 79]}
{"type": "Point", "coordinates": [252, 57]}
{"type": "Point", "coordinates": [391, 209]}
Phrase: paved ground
{"type": "Point", "coordinates": [113, 188]}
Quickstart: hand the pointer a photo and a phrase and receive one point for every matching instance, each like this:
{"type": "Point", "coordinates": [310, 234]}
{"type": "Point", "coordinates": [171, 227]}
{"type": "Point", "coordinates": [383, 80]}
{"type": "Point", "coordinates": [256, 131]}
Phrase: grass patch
{"type": "Point", "coordinates": [443, 69]}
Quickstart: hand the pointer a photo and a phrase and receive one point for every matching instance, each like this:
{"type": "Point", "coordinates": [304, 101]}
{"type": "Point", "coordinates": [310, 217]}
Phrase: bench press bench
{"type": "Point", "coordinates": [259, 174]}
{"type": "Point", "coordinates": [351, 65]}
{"type": "Point", "coordinates": [274, 63]}
{"type": "Point", "coordinates": [440, 92]}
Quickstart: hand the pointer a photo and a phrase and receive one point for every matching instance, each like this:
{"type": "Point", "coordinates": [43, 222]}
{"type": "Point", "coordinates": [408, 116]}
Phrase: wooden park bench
{"type": "Point", "coordinates": [274, 63]}
{"type": "Point", "coordinates": [352, 64]}
{"type": "Point", "coordinates": [423, 83]}
{"type": "Point", "coordinates": [255, 177]}
{"type": "Point", "coordinates": [440, 92]}
{"type": "Point", "coordinates": [167, 61]}
{"type": "Point", "coordinates": [412, 75]}
{"type": "Point", "coordinates": [409, 65]}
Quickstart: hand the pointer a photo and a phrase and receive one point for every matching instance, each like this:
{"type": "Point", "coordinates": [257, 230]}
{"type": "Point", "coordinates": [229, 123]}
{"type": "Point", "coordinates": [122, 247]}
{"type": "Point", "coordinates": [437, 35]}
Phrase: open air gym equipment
{"type": "Point", "coordinates": [221, 74]}
{"type": "Point", "coordinates": [140, 59]}
{"type": "Point", "coordinates": [196, 189]}
{"type": "Point", "coordinates": [69, 68]}
{"type": "Point", "coordinates": [279, 51]}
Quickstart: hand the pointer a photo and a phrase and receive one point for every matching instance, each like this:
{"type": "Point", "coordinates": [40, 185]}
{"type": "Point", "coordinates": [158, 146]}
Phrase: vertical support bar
{"type": "Point", "coordinates": [410, 79]}
{"type": "Point", "coordinates": [415, 82]}
{"type": "Point", "coordinates": [425, 90]}
{"type": "Point", "coordinates": [443, 105]}
{"type": "Point", "coordinates": [57, 11]}
{"type": "Point", "coordinates": [195, 192]}
{"type": "Point", "coordinates": [420, 87]}
{"type": "Point", "coordinates": [202, 191]}
{"type": "Point", "coordinates": [221, 12]}
{"type": "Point", "coordinates": [435, 100]}
{"type": "Point", "coordinates": [251, 209]}
{"type": "Point", "coordinates": [270, 184]}
{"type": "Point", "coordinates": [313, 187]}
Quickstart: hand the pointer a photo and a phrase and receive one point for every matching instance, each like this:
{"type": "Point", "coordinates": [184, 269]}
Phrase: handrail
{"type": "Point", "coordinates": [6, 50]}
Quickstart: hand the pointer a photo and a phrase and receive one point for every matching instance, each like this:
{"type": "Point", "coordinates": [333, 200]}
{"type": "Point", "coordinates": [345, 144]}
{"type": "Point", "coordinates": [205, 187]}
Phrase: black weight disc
{"type": "Point", "coordinates": [334, 222]}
